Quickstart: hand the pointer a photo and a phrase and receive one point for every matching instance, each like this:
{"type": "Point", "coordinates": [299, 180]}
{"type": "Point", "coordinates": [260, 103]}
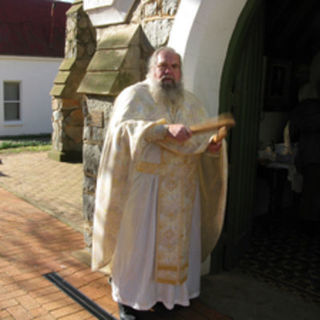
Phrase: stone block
{"type": "Point", "coordinates": [89, 185]}
{"type": "Point", "coordinates": [95, 135]}
{"type": "Point", "coordinates": [91, 156]}
{"type": "Point", "coordinates": [96, 119]}
{"type": "Point", "coordinates": [75, 118]}
{"type": "Point", "coordinates": [57, 90]}
{"type": "Point", "coordinates": [88, 206]}
{"type": "Point", "coordinates": [106, 60]}
{"type": "Point", "coordinates": [67, 64]}
{"type": "Point", "coordinates": [55, 104]}
{"type": "Point", "coordinates": [74, 133]}
{"type": "Point", "coordinates": [61, 77]}
{"type": "Point", "coordinates": [150, 9]}
{"type": "Point", "coordinates": [98, 83]}
{"type": "Point", "coordinates": [169, 7]}
{"type": "Point", "coordinates": [70, 103]}
{"type": "Point", "coordinates": [86, 132]}
{"type": "Point", "coordinates": [57, 116]}
{"type": "Point", "coordinates": [119, 37]}
{"type": "Point", "coordinates": [157, 31]}
{"type": "Point", "coordinates": [99, 103]}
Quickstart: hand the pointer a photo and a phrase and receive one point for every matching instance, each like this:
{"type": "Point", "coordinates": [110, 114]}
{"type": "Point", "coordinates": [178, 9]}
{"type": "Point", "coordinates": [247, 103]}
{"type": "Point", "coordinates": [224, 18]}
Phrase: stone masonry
{"type": "Point", "coordinates": [67, 116]}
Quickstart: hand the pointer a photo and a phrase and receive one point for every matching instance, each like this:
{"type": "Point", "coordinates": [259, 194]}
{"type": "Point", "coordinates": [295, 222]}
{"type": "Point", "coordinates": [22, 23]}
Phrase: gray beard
{"type": "Point", "coordinates": [166, 94]}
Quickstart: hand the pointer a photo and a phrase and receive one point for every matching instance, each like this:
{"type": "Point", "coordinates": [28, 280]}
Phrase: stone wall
{"type": "Point", "coordinates": [67, 116]}
{"type": "Point", "coordinates": [96, 113]}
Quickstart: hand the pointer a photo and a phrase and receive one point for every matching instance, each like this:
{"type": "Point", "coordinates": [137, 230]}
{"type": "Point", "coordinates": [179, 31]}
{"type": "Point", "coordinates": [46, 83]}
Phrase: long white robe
{"type": "Point", "coordinates": [147, 222]}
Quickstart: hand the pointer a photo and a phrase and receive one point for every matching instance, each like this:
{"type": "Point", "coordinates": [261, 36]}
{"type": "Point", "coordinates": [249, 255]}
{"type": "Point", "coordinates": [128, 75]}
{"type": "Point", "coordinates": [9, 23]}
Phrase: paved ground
{"type": "Point", "coordinates": [33, 243]}
{"type": "Point", "coordinates": [53, 186]}
{"type": "Point", "coordinates": [34, 191]}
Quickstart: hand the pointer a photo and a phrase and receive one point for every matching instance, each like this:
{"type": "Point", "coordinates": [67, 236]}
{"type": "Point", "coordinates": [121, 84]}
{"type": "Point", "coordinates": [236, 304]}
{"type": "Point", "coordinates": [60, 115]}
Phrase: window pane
{"type": "Point", "coordinates": [11, 91]}
{"type": "Point", "coordinates": [11, 111]}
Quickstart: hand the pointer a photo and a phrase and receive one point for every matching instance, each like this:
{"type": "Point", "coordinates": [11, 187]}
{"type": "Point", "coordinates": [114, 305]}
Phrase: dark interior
{"type": "Point", "coordinates": [283, 250]}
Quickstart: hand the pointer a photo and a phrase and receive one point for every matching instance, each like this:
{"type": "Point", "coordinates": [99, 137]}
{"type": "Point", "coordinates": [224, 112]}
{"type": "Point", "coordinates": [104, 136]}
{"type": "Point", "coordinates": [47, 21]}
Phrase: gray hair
{"type": "Point", "coordinates": [153, 59]}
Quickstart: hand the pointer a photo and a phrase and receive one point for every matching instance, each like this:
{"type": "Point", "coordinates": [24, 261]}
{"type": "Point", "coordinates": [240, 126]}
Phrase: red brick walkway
{"type": "Point", "coordinates": [33, 243]}
{"type": "Point", "coordinates": [44, 235]}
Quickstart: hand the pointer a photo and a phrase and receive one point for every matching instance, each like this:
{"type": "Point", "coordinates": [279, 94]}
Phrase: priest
{"type": "Point", "coordinates": [161, 191]}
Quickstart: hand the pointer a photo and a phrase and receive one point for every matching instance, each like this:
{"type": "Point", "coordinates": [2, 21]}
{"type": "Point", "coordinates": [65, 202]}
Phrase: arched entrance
{"type": "Point", "coordinates": [264, 36]}
{"type": "Point", "coordinates": [271, 54]}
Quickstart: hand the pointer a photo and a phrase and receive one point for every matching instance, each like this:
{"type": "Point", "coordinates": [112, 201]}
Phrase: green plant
{"type": "Point", "coordinates": [25, 143]}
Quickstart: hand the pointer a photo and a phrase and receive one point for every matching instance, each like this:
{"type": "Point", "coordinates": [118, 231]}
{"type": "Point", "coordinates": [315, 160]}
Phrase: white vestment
{"type": "Point", "coordinates": [151, 223]}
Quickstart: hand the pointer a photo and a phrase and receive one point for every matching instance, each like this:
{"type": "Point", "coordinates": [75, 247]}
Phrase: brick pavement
{"type": "Point", "coordinates": [33, 243]}
{"type": "Point", "coordinates": [55, 187]}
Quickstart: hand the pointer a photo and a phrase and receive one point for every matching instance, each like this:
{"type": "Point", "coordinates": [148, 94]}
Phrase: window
{"type": "Point", "coordinates": [11, 101]}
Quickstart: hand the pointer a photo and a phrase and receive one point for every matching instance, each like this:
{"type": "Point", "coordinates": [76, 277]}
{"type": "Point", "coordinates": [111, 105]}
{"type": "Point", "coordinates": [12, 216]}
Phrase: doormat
{"type": "Point", "coordinates": [78, 296]}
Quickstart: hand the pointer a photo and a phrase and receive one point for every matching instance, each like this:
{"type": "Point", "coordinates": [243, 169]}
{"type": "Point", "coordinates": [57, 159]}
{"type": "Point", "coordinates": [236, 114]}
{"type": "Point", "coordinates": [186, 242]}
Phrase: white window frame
{"type": "Point", "coordinates": [15, 121]}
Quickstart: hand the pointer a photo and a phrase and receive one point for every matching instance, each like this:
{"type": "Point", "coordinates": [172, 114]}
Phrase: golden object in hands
{"type": "Point", "coordinates": [223, 120]}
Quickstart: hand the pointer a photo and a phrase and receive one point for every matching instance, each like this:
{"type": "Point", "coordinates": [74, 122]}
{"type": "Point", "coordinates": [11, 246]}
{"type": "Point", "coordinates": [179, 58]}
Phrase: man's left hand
{"type": "Point", "coordinates": [214, 147]}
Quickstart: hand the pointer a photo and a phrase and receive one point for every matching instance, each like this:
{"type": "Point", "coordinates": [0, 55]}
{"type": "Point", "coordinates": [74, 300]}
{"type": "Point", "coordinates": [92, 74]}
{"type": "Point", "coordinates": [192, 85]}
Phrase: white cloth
{"type": "Point", "coordinates": [136, 269]}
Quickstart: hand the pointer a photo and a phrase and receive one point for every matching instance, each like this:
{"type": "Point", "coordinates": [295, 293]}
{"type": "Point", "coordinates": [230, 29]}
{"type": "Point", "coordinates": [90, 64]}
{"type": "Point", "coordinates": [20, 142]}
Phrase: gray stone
{"type": "Point", "coordinates": [157, 31]}
{"type": "Point", "coordinates": [150, 9]}
{"type": "Point", "coordinates": [86, 132]}
{"type": "Point", "coordinates": [169, 7]}
{"type": "Point", "coordinates": [57, 115]}
{"type": "Point", "coordinates": [89, 185]}
{"type": "Point", "coordinates": [99, 104]}
{"type": "Point", "coordinates": [88, 206]}
{"type": "Point", "coordinates": [91, 157]}
{"type": "Point", "coordinates": [97, 135]}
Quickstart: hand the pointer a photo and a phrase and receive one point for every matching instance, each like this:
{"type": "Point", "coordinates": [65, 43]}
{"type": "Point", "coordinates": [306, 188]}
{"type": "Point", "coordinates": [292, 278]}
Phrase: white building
{"type": "Point", "coordinates": [31, 50]}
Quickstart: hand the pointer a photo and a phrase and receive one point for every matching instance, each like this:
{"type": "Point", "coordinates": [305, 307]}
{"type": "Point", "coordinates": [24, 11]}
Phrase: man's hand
{"type": "Point", "coordinates": [214, 147]}
{"type": "Point", "coordinates": [179, 132]}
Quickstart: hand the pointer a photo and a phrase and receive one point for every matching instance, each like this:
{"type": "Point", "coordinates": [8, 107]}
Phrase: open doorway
{"type": "Point", "coordinates": [283, 250]}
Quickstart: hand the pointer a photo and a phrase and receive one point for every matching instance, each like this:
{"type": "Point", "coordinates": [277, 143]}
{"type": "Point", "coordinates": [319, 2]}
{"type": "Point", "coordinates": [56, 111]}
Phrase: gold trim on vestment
{"type": "Point", "coordinates": [177, 187]}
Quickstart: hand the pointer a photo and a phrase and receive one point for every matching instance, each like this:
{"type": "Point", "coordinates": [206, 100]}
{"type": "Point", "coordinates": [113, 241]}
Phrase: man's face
{"type": "Point", "coordinates": [168, 70]}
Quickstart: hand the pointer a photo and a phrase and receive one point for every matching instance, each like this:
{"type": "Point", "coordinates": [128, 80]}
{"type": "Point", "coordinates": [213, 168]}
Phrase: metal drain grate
{"type": "Point", "coordinates": [79, 297]}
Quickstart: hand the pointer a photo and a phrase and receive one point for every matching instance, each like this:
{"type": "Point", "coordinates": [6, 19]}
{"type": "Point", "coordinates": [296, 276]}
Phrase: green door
{"type": "Point", "coordinates": [241, 94]}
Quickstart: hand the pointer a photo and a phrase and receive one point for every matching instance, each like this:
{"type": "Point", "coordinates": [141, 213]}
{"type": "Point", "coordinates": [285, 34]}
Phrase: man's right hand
{"type": "Point", "coordinates": [179, 132]}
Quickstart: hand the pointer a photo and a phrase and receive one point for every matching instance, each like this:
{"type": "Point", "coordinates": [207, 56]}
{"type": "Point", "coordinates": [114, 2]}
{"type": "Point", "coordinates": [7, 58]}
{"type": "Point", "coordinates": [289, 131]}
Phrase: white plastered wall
{"type": "Point", "coordinates": [201, 34]}
{"type": "Point", "coordinates": [36, 76]}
